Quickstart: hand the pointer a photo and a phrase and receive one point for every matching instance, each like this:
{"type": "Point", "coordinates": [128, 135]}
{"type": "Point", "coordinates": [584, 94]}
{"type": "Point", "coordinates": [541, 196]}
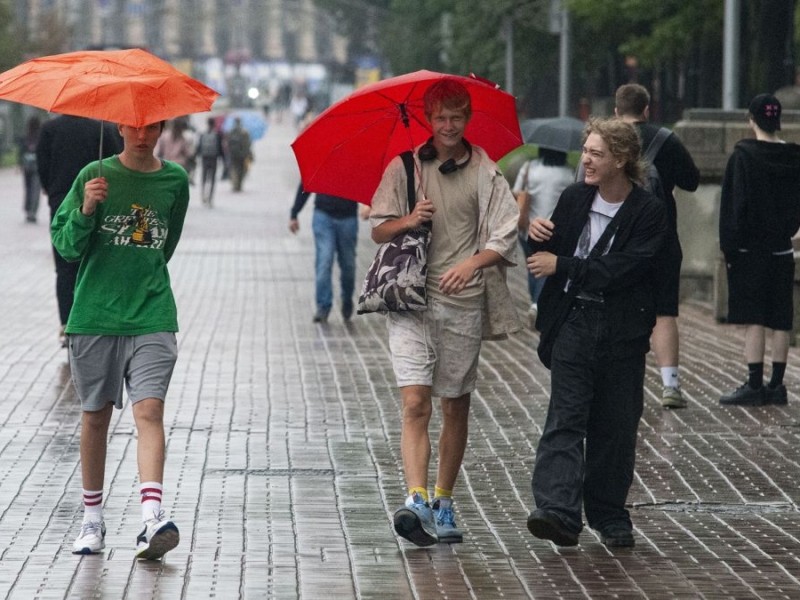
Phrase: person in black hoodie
{"type": "Point", "coordinates": [759, 214]}
{"type": "Point", "coordinates": [598, 253]}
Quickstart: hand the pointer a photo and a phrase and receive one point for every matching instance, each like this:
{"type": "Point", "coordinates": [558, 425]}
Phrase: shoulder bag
{"type": "Point", "coordinates": [395, 280]}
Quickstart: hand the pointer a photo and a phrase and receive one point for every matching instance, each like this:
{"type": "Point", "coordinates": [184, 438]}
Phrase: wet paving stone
{"type": "Point", "coordinates": [284, 469]}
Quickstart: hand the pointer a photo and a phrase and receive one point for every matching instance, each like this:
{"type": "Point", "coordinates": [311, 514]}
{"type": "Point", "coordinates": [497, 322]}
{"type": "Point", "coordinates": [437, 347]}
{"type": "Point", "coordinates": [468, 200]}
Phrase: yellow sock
{"type": "Point", "coordinates": [419, 490]}
{"type": "Point", "coordinates": [440, 493]}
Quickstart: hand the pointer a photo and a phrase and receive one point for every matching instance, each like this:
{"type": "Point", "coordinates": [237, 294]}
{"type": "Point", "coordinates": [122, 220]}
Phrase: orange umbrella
{"type": "Point", "coordinates": [131, 87]}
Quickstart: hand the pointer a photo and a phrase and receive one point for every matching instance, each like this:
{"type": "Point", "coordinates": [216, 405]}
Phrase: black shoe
{"type": "Point", "coordinates": [347, 311]}
{"type": "Point", "coordinates": [775, 395]}
{"type": "Point", "coordinates": [745, 396]}
{"type": "Point", "coordinates": [320, 317]}
{"type": "Point", "coordinates": [547, 525]}
{"type": "Point", "coordinates": [617, 535]}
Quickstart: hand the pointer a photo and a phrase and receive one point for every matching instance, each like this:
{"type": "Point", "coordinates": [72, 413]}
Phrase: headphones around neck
{"type": "Point", "coordinates": [428, 152]}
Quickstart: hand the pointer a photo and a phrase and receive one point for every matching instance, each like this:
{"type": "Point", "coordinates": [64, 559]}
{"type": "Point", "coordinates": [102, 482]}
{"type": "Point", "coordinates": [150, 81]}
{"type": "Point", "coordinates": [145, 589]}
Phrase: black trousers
{"type": "Point", "coordinates": [587, 450]}
{"type": "Point", "coordinates": [66, 275]}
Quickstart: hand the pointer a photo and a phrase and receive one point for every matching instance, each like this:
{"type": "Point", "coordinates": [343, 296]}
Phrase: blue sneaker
{"type": "Point", "coordinates": [414, 521]}
{"type": "Point", "coordinates": [446, 528]}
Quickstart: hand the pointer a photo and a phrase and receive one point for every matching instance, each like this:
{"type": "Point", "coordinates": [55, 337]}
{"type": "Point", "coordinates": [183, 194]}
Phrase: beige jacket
{"type": "Point", "coordinates": [497, 230]}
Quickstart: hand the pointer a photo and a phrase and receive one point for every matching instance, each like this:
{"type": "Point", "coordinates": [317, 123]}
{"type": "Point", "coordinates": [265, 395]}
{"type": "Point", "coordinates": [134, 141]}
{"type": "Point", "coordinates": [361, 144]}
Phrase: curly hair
{"type": "Point", "coordinates": [447, 93]}
{"type": "Point", "coordinates": [623, 143]}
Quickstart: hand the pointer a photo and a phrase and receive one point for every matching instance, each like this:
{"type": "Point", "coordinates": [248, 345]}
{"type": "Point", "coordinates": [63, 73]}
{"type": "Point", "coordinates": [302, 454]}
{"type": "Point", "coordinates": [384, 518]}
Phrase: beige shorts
{"type": "Point", "coordinates": [438, 347]}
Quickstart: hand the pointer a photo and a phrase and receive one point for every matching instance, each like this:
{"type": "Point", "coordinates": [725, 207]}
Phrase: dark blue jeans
{"type": "Point", "coordinates": [596, 401]}
{"type": "Point", "coordinates": [535, 284]}
{"type": "Point", "coordinates": [334, 238]}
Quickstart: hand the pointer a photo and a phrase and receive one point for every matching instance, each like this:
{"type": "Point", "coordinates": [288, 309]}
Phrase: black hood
{"type": "Point", "coordinates": [777, 159]}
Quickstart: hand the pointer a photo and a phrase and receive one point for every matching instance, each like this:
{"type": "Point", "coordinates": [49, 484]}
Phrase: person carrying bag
{"type": "Point", "coordinates": [396, 279]}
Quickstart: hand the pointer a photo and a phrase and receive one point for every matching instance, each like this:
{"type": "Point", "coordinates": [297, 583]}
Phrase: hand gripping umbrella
{"type": "Point", "coordinates": [344, 151]}
{"type": "Point", "coordinates": [130, 87]}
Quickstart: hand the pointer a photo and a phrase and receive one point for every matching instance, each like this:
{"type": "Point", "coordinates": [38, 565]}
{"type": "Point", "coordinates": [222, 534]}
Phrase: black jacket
{"type": "Point", "coordinates": [760, 205]}
{"type": "Point", "coordinates": [623, 276]}
{"type": "Point", "coordinates": [675, 167]}
{"type": "Point", "coordinates": [336, 207]}
{"type": "Point", "coordinates": [66, 145]}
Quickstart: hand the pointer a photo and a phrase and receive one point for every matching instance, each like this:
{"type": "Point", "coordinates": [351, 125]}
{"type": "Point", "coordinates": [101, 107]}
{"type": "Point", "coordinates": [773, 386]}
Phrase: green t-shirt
{"type": "Point", "coordinates": [123, 285]}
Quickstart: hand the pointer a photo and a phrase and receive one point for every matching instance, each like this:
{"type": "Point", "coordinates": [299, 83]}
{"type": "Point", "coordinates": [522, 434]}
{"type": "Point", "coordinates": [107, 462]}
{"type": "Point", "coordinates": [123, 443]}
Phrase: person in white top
{"type": "Point", "coordinates": [537, 188]}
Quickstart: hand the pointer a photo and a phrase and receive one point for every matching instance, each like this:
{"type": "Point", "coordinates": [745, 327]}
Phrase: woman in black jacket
{"type": "Point", "coordinates": [605, 283]}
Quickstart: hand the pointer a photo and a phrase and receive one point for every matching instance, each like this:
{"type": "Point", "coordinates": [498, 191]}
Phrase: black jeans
{"type": "Point", "coordinates": [596, 400]}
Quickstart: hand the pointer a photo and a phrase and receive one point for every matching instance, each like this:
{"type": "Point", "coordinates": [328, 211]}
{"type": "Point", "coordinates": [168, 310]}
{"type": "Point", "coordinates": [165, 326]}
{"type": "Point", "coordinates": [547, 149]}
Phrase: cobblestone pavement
{"type": "Point", "coordinates": [283, 467]}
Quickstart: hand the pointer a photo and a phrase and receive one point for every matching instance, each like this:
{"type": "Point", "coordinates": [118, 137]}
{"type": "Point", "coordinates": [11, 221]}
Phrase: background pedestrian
{"type": "Point", "coordinates": [66, 145]}
{"type": "Point", "coordinates": [759, 215]}
{"type": "Point", "coordinates": [675, 167]}
{"type": "Point", "coordinates": [335, 227]}
{"type": "Point", "coordinates": [209, 150]}
{"type": "Point", "coordinates": [240, 154]}
{"type": "Point", "coordinates": [537, 188]}
{"type": "Point", "coordinates": [26, 159]}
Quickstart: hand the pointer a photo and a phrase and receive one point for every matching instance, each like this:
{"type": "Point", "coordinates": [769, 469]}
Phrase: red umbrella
{"type": "Point", "coordinates": [345, 150]}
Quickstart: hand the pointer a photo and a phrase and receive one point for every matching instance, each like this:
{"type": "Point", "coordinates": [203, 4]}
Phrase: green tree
{"type": "Point", "coordinates": [10, 50]}
{"type": "Point", "coordinates": [359, 21]}
{"type": "Point", "coordinates": [671, 46]}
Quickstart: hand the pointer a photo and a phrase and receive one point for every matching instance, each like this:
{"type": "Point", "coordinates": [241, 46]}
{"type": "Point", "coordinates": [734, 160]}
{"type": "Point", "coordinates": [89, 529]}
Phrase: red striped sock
{"type": "Point", "coordinates": [151, 499]}
{"type": "Point", "coordinates": [93, 505]}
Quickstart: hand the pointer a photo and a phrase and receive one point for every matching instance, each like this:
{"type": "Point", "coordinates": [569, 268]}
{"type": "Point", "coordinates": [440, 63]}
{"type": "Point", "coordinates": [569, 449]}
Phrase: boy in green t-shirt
{"type": "Point", "coordinates": [123, 227]}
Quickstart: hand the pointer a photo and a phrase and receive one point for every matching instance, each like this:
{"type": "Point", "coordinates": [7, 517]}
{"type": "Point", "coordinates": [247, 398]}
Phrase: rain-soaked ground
{"type": "Point", "coordinates": [283, 466]}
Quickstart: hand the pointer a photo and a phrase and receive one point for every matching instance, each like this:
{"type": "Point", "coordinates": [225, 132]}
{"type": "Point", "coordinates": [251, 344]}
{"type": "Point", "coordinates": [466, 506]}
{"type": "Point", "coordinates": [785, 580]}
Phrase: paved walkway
{"type": "Point", "coordinates": [283, 466]}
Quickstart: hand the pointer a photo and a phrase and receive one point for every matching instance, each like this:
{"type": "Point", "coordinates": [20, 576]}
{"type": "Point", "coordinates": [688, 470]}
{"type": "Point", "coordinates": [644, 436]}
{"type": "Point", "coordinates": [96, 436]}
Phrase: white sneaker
{"type": "Point", "coordinates": [158, 537]}
{"type": "Point", "coordinates": [91, 539]}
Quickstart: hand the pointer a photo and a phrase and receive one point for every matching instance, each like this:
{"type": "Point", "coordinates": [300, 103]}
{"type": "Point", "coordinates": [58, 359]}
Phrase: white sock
{"type": "Point", "coordinates": [669, 377]}
{"type": "Point", "coordinates": [92, 505]}
{"type": "Point", "coordinates": [151, 492]}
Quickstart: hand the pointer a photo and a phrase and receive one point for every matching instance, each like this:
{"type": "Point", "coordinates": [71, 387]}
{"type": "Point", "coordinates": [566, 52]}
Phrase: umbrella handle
{"type": "Point", "coordinates": [100, 159]}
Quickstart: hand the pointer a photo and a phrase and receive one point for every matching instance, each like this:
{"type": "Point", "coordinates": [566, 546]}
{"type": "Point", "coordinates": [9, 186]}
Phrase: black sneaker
{"type": "Point", "coordinates": [547, 525]}
{"type": "Point", "coordinates": [775, 395]}
{"type": "Point", "coordinates": [617, 535]}
{"type": "Point", "coordinates": [320, 317]}
{"type": "Point", "coordinates": [745, 396]}
{"type": "Point", "coordinates": [347, 311]}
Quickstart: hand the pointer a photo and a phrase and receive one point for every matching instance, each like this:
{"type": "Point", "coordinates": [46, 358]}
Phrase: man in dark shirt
{"type": "Point", "coordinates": [66, 145]}
{"type": "Point", "coordinates": [335, 226]}
{"type": "Point", "coordinates": [675, 167]}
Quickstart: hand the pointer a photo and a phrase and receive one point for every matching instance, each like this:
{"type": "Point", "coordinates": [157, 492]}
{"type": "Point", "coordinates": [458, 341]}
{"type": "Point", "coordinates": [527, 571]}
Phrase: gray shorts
{"type": "Point", "coordinates": [438, 347]}
{"type": "Point", "coordinates": [102, 364]}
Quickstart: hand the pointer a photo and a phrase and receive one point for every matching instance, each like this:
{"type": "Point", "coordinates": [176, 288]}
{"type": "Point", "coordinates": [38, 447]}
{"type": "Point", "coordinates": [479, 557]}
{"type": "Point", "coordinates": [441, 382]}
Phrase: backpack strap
{"type": "Point", "coordinates": [655, 144]}
{"type": "Point", "coordinates": [408, 162]}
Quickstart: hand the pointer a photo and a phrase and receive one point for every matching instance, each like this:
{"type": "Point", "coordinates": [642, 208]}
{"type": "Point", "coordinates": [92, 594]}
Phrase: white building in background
{"type": "Point", "coordinates": [267, 41]}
